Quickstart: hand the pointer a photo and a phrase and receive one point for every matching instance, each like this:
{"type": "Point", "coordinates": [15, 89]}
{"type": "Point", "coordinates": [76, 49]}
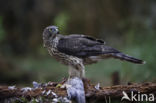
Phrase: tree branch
{"type": "Point", "coordinates": [53, 90]}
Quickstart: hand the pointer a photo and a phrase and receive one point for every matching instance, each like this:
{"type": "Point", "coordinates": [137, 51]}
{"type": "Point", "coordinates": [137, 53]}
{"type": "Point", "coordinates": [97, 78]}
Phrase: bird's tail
{"type": "Point", "coordinates": [125, 57]}
{"type": "Point", "coordinates": [111, 52]}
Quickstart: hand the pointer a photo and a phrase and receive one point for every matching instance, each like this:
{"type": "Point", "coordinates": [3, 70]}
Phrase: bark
{"type": "Point", "coordinates": [93, 92]}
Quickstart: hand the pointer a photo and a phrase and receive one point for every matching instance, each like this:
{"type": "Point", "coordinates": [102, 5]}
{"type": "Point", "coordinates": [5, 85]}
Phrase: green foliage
{"type": "Point", "coordinates": [45, 69]}
{"type": "Point", "coordinates": [141, 45]}
{"type": "Point", "coordinates": [61, 20]}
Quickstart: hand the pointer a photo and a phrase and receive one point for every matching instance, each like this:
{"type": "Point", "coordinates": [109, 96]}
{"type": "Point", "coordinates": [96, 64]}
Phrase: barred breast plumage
{"type": "Point", "coordinates": [62, 57]}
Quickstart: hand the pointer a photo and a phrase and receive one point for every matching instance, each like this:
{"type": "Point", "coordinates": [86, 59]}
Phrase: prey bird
{"type": "Point", "coordinates": [77, 50]}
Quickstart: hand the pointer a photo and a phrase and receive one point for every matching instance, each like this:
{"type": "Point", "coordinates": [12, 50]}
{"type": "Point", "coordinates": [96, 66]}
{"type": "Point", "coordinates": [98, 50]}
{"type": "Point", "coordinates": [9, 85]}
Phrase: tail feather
{"type": "Point", "coordinates": [111, 52]}
{"type": "Point", "coordinates": [125, 57]}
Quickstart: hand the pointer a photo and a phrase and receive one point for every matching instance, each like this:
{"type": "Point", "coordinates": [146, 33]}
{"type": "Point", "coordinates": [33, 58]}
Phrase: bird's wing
{"type": "Point", "coordinates": [85, 36]}
{"type": "Point", "coordinates": [85, 47]}
{"type": "Point", "coordinates": [80, 45]}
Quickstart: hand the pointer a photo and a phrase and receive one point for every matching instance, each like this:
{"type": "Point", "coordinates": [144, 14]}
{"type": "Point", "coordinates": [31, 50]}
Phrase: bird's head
{"type": "Point", "coordinates": [49, 33]}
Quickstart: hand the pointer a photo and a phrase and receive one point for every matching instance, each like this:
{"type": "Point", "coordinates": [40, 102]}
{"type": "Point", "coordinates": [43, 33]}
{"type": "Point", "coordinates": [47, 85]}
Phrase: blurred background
{"type": "Point", "coordinates": [128, 25]}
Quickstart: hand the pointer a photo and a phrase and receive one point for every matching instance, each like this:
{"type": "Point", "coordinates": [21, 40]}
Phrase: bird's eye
{"type": "Point", "coordinates": [50, 29]}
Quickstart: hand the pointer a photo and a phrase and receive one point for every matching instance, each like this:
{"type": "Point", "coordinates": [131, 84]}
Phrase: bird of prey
{"type": "Point", "coordinates": [77, 50]}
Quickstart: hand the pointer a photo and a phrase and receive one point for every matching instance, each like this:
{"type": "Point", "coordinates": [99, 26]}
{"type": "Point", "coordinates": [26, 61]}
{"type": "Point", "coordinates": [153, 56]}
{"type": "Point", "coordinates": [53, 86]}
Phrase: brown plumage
{"type": "Point", "coordinates": [76, 50]}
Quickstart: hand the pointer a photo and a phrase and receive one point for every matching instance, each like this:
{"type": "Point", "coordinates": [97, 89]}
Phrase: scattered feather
{"type": "Point", "coordinates": [66, 100]}
{"type": "Point", "coordinates": [11, 87]}
{"type": "Point", "coordinates": [54, 94]}
{"type": "Point", "coordinates": [49, 91]}
{"type": "Point", "coordinates": [55, 100]}
{"type": "Point", "coordinates": [36, 100]}
{"type": "Point", "coordinates": [36, 85]}
{"type": "Point", "coordinates": [26, 89]}
{"type": "Point", "coordinates": [50, 83]}
{"type": "Point", "coordinates": [43, 92]}
{"type": "Point", "coordinates": [67, 86]}
{"type": "Point", "coordinates": [97, 86]}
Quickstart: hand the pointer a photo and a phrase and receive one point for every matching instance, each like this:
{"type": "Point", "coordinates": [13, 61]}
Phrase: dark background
{"type": "Point", "coordinates": [128, 25]}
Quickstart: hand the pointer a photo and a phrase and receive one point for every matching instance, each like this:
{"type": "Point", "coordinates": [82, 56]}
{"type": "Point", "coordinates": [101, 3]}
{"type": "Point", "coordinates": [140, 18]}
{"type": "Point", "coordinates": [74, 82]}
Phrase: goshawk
{"type": "Point", "coordinates": [77, 50]}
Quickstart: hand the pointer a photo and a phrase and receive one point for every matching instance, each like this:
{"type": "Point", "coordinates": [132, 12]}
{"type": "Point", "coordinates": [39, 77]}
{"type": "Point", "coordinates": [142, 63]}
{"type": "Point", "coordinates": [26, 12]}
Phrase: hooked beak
{"type": "Point", "coordinates": [57, 31]}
